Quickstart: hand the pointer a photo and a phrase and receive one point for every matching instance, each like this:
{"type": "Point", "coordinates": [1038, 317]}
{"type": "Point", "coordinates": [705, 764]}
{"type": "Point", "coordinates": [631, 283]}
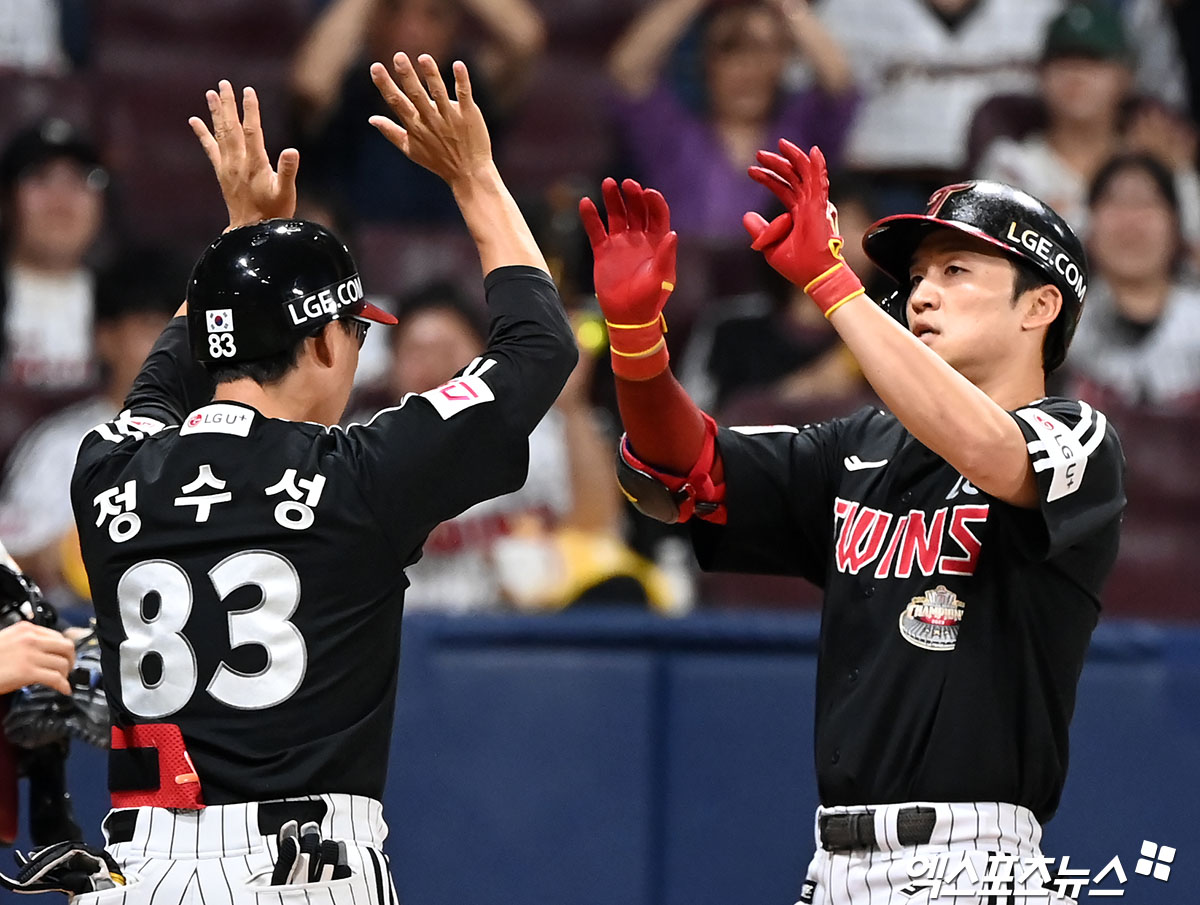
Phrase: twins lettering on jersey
{"type": "Point", "coordinates": [900, 546]}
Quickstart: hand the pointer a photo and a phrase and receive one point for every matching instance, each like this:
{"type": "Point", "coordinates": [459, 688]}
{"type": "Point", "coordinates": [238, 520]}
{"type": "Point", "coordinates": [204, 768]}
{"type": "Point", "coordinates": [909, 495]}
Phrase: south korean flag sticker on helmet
{"type": "Point", "coordinates": [219, 322]}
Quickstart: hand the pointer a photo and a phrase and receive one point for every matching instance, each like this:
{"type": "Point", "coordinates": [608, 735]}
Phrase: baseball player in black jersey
{"type": "Point", "coordinates": [247, 556]}
{"type": "Point", "coordinates": [962, 539]}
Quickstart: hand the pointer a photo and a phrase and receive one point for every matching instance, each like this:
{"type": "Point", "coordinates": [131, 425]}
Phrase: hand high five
{"type": "Point", "coordinates": [253, 191]}
{"type": "Point", "coordinates": [802, 243]}
{"type": "Point", "coordinates": [447, 137]}
{"type": "Point", "coordinates": [634, 272]}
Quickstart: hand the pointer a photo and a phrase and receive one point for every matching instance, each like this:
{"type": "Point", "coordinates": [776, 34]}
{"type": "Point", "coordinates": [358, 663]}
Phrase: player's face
{"type": "Point", "coordinates": [745, 56]}
{"type": "Point", "coordinates": [961, 305]}
{"type": "Point", "coordinates": [431, 347]}
{"type": "Point", "coordinates": [57, 213]}
{"type": "Point", "coordinates": [1134, 232]}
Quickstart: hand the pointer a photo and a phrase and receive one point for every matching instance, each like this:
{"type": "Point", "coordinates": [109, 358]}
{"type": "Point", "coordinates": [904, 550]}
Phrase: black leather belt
{"type": "Point", "coordinates": [856, 832]}
{"type": "Point", "coordinates": [119, 825]}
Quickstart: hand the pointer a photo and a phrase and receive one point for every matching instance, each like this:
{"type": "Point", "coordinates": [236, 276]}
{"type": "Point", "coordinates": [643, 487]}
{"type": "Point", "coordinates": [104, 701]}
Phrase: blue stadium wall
{"type": "Point", "coordinates": [622, 759]}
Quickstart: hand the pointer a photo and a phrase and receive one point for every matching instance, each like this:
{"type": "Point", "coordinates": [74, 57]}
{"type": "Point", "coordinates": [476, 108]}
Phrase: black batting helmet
{"type": "Point", "coordinates": [1013, 221]}
{"type": "Point", "coordinates": [259, 289]}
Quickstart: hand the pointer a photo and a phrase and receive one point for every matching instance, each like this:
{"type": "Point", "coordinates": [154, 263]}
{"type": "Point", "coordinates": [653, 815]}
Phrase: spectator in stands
{"type": "Point", "coordinates": [571, 480]}
{"type": "Point", "coordinates": [694, 136]}
{"type": "Point", "coordinates": [1154, 34]}
{"type": "Point", "coordinates": [1086, 76]}
{"type": "Point", "coordinates": [1139, 339]}
{"type": "Point", "coordinates": [51, 209]}
{"type": "Point", "coordinates": [135, 298]}
{"type": "Point", "coordinates": [43, 37]}
{"type": "Point", "coordinates": [924, 66]}
{"type": "Point", "coordinates": [334, 97]}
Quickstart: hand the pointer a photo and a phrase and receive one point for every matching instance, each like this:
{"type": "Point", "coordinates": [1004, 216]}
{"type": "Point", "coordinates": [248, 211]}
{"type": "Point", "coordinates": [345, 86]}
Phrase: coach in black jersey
{"type": "Point", "coordinates": [962, 539]}
{"type": "Point", "coordinates": [247, 556]}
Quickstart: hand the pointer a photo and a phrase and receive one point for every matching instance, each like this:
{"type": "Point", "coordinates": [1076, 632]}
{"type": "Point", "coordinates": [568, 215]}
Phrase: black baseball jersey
{"type": "Point", "coordinates": [248, 572]}
{"type": "Point", "coordinates": [954, 625]}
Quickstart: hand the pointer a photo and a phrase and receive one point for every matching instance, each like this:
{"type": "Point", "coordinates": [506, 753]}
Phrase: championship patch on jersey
{"type": "Point", "coordinates": [458, 395]}
{"type": "Point", "coordinates": [1063, 449]}
{"type": "Point", "coordinates": [218, 419]}
{"type": "Point", "coordinates": [931, 620]}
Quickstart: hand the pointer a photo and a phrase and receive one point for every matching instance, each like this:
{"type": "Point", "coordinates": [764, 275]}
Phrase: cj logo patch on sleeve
{"type": "Point", "coordinates": [458, 395]}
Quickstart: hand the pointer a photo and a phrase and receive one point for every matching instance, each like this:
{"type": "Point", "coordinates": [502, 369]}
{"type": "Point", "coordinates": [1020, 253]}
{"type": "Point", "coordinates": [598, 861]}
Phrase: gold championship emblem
{"type": "Point", "coordinates": [931, 620]}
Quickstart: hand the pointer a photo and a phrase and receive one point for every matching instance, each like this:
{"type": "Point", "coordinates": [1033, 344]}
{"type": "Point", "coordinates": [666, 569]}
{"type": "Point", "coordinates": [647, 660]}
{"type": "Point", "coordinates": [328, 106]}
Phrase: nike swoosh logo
{"type": "Point", "coordinates": [854, 463]}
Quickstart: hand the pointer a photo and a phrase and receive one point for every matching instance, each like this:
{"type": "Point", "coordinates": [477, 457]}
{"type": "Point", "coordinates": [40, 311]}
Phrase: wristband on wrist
{"type": "Point", "coordinates": [836, 286]}
{"type": "Point", "coordinates": [639, 351]}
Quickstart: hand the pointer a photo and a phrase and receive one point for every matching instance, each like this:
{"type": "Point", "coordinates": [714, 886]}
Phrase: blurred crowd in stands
{"type": "Point", "coordinates": [105, 199]}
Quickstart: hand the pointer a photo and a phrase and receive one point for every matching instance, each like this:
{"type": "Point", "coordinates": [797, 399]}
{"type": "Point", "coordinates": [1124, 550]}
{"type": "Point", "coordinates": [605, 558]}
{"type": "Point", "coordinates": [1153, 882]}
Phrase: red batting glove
{"type": "Point", "coordinates": [803, 243]}
{"type": "Point", "coordinates": [634, 274]}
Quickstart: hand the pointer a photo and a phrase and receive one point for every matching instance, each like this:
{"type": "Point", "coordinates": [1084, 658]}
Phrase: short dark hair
{"type": "Point", "coordinates": [273, 368]}
{"type": "Point", "coordinates": [1027, 278]}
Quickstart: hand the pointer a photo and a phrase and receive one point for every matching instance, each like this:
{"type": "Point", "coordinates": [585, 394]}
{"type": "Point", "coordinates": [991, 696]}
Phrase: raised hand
{"type": "Point", "coordinates": [803, 243]}
{"type": "Point", "coordinates": [635, 256]}
{"type": "Point", "coordinates": [447, 137]}
{"type": "Point", "coordinates": [252, 190]}
{"type": "Point", "coordinates": [634, 273]}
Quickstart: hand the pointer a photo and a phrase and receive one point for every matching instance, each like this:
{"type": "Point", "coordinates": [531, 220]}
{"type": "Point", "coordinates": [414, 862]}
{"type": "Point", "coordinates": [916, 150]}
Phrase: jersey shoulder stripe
{"type": "Point", "coordinates": [1063, 448]}
{"type": "Point", "coordinates": [128, 426]}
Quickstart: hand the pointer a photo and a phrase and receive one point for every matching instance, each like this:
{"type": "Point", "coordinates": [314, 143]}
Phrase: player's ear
{"type": "Point", "coordinates": [321, 346]}
{"type": "Point", "coordinates": [1040, 306]}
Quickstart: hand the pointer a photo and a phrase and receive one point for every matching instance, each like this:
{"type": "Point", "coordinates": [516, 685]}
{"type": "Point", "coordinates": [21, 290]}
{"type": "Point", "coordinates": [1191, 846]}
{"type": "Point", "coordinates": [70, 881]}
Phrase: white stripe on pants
{"type": "Point", "coordinates": [217, 856]}
{"type": "Point", "coordinates": [964, 837]}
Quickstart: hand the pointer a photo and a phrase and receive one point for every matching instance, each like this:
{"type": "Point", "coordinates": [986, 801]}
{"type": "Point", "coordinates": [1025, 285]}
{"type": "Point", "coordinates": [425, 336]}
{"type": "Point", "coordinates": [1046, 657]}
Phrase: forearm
{"type": "Point", "coordinates": [595, 505]}
{"type": "Point", "coordinates": [639, 55]}
{"type": "Point", "coordinates": [664, 426]}
{"type": "Point", "coordinates": [327, 52]}
{"type": "Point", "coordinates": [940, 407]}
{"type": "Point", "coordinates": [820, 47]}
{"type": "Point", "coordinates": [500, 232]}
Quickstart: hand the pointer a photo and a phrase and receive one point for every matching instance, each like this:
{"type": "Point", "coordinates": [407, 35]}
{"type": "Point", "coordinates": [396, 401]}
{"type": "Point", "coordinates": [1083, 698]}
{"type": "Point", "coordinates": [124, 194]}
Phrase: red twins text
{"type": "Point", "coordinates": [941, 542]}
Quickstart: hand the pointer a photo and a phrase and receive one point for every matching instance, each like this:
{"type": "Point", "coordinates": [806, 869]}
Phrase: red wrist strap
{"type": "Point", "coordinates": [834, 288]}
{"type": "Point", "coordinates": [698, 494]}
{"type": "Point", "coordinates": [639, 351]}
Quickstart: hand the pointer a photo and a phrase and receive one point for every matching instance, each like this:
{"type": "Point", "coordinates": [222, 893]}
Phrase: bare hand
{"type": "Point", "coordinates": [447, 137]}
{"type": "Point", "coordinates": [33, 655]}
{"type": "Point", "coordinates": [252, 190]}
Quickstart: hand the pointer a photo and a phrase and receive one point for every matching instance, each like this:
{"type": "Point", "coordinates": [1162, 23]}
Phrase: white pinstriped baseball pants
{"type": "Point", "coordinates": [905, 875]}
{"type": "Point", "coordinates": [217, 856]}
